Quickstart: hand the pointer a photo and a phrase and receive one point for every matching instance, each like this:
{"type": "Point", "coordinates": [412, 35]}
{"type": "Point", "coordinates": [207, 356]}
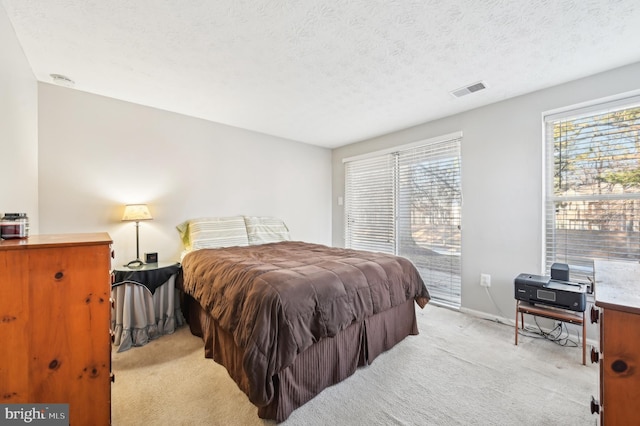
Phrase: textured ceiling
{"type": "Point", "coordinates": [324, 72]}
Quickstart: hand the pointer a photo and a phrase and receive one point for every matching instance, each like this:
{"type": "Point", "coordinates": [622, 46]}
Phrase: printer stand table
{"type": "Point", "coordinates": [555, 314]}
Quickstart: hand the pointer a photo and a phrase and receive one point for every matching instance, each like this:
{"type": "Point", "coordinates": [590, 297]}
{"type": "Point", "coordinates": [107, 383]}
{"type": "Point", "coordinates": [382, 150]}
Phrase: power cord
{"type": "Point", "coordinates": [559, 335]}
{"type": "Point", "coordinates": [495, 305]}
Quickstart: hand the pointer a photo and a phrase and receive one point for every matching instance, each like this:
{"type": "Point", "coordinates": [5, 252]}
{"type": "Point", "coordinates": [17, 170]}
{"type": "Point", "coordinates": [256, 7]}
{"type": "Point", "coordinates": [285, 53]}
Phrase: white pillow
{"type": "Point", "coordinates": [262, 230]}
{"type": "Point", "coordinates": [213, 232]}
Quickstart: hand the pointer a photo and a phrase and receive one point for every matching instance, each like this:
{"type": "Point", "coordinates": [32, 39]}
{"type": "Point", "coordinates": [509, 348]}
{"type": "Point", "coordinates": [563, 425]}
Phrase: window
{"type": "Point", "coordinates": [408, 202]}
{"type": "Point", "coordinates": [593, 186]}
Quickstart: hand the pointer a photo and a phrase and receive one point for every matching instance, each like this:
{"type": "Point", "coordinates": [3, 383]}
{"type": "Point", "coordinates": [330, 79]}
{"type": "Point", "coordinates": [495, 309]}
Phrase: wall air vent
{"type": "Point", "coordinates": [475, 87]}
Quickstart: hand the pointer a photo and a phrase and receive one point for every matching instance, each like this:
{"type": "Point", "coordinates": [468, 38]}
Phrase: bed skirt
{"type": "Point", "coordinates": [327, 362]}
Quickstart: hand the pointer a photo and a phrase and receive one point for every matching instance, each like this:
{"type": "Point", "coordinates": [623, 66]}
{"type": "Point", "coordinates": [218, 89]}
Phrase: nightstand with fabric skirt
{"type": "Point", "coordinates": [144, 304]}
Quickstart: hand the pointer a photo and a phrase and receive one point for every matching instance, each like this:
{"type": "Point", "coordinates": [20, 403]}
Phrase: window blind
{"type": "Point", "coordinates": [409, 203]}
{"type": "Point", "coordinates": [592, 206]}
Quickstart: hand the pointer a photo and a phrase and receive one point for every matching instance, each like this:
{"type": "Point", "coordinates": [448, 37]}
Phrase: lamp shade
{"type": "Point", "coordinates": [136, 212]}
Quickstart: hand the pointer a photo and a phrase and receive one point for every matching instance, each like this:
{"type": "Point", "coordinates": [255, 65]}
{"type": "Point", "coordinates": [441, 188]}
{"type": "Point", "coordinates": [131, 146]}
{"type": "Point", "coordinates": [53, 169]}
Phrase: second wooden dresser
{"type": "Point", "coordinates": [617, 295]}
{"type": "Point", "coordinates": [54, 323]}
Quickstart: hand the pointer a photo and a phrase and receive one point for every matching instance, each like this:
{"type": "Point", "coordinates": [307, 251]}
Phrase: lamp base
{"type": "Point", "coordinates": [135, 264]}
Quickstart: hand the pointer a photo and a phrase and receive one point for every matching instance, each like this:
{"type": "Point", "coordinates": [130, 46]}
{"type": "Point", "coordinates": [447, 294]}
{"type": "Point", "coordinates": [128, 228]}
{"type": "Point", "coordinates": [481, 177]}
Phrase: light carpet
{"type": "Point", "coordinates": [460, 370]}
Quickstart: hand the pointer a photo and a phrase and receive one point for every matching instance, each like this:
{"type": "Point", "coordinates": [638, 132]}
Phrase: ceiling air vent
{"type": "Point", "coordinates": [62, 80]}
{"type": "Point", "coordinates": [475, 87]}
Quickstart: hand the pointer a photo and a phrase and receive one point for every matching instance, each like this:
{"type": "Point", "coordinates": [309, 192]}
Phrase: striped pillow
{"type": "Point", "coordinates": [215, 232]}
{"type": "Point", "coordinates": [262, 230]}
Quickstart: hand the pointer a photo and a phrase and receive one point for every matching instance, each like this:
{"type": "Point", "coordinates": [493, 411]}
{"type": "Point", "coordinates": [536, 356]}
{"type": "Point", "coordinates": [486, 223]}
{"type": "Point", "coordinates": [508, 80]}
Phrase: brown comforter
{"type": "Point", "coordinates": [278, 299]}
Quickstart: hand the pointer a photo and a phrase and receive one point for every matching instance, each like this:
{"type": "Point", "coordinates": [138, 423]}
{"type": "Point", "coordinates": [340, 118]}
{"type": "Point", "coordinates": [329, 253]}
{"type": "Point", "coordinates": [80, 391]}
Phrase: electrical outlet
{"type": "Point", "coordinates": [485, 280]}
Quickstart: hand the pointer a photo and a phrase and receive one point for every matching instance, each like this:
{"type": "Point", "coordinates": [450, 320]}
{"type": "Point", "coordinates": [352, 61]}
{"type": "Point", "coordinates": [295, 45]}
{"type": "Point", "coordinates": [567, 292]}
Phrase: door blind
{"type": "Point", "coordinates": [369, 204]}
{"type": "Point", "coordinates": [430, 207]}
{"type": "Point", "coordinates": [409, 203]}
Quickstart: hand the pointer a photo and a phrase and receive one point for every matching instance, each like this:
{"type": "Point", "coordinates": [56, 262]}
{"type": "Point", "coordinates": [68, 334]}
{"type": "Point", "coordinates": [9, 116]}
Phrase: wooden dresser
{"type": "Point", "coordinates": [54, 324]}
{"type": "Point", "coordinates": [617, 295]}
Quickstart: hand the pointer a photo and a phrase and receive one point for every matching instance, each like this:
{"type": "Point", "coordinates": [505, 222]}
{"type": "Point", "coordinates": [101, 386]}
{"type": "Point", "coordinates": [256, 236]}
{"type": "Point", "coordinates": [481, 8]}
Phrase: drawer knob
{"type": "Point", "coordinates": [112, 377]}
{"type": "Point", "coordinates": [595, 406]}
{"type": "Point", "coordinates": [595, 315]}
{"type": "Point", "coordinates": [595, 355]}
{"type": "Point", "coordinates": [619, 366]}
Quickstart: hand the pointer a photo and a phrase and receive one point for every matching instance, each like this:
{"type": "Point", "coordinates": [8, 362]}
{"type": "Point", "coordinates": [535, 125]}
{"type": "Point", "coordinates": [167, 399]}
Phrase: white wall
{"type": "Point", "coordinates": [97, 154]}
{"type": "Point", "coordinates": [501, 182]}
{"type": "Point", "coordinates": [18, 128]}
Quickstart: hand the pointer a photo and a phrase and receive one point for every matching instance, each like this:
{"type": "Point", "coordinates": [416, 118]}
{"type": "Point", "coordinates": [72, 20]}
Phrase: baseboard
{"type": "Point", "coordinates": [491, 317]}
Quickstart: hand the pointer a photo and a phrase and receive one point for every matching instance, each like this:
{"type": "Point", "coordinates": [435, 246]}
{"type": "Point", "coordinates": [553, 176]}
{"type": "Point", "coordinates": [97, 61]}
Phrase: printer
{"type": "Point", "coordinates": [551, 291]}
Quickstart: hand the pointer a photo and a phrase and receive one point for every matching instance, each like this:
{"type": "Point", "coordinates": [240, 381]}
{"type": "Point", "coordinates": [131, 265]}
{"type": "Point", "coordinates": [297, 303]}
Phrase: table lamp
{"type": "Point", "coordinates": [136, 212]}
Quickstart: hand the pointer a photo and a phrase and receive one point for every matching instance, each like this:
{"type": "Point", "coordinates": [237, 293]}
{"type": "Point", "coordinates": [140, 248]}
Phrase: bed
{"type": "Point", "coordinates": [288, 318]}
